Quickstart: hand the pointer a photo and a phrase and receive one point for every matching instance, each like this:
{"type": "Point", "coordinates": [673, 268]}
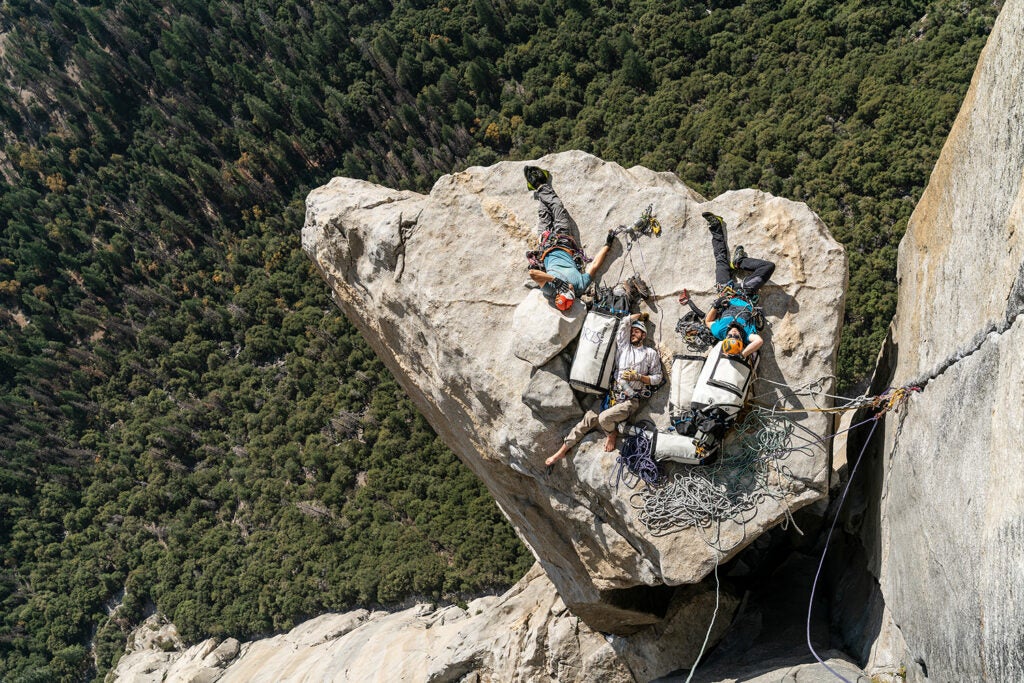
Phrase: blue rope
{"type": "Point", "coordinates": [635, 455]}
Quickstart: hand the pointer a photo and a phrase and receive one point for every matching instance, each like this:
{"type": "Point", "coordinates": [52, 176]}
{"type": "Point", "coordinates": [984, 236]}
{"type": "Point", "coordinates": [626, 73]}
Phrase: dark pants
{"type": "Point", "coordinates": [760, 269]}
{"type": "Point", "coordinates": [551, 214]}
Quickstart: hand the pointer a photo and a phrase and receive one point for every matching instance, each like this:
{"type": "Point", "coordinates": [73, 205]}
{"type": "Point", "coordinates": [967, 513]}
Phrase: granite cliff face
{"type": "Point", "coordinates": [435, 283]}
{"type": "Point", "coordinates": [525, 635]}
{"type": "Point", "coordinates": [946, 538]}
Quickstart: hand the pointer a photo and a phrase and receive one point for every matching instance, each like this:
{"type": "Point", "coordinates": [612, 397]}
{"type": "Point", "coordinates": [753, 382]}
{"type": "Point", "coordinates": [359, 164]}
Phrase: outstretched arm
{"type": "Point", "coordinates": [598, 261]}
{"type": "Point", "coordinates": [754, 342]}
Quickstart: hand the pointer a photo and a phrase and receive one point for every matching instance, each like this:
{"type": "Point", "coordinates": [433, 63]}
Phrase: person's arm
{"type": "Point", "coordinates": [602, 254]}
{"type": "Point", "coordinates": [754, 342]}
{"type": "Point", "coordinates": [622, 334]}
{"type": "Point", "coordinates": [716, 310]}
{"type": "Point", "coordinates": [654, 371]}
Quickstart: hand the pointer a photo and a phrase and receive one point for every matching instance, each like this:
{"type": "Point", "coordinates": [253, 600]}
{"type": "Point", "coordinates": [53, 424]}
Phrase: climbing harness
{"type": "Point", "coordinates": [622, 392]}
{"type": "Point", "coordinates": [749, 311]}
{"type": "Point", "coordinates": [551, 240]}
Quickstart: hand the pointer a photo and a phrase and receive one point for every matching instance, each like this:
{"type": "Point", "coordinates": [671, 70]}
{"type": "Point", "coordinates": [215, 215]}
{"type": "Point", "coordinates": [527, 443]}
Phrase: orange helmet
{"type": "Point", "coordinates": [732, 346]}
{"type": "Point", "coordinates": [564, 300]}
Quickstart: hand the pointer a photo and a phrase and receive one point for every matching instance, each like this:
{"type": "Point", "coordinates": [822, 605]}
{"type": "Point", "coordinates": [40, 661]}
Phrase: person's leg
{"type": "Point", "coordinates": [720, 247]}
{"type": "Point", "coordinates": [585, 425]}
{"type": "Point", "coordinates": [610, 419]}
{"type": "Point", "coordinates": [551, 213]}
{"type": "Point", "coordinates": [761, 271]}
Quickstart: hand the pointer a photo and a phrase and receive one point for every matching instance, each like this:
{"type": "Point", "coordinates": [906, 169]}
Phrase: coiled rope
{"type": "Point", "coordinates": [635, 461]}
{"type": "Point", "coordinates": [732, 487]}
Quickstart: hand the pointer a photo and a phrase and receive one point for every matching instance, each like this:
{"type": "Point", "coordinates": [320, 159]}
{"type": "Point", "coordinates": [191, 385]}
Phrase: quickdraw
{"type": "Point", "coordinates": [646, 225]}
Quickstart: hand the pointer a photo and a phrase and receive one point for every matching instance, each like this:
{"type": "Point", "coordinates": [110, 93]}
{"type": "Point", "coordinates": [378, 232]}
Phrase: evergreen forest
{"type": "Point", "coordinates": [188, 424]}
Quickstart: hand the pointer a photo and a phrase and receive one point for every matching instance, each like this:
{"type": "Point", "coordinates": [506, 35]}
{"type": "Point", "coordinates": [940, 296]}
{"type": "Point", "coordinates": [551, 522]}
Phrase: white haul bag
{"type": "Point", "coordinates": [595, 354]}
{"type": "Point", "coordinates": [723, 381]}
{"type": "Point", "coordinates": [685, 372]}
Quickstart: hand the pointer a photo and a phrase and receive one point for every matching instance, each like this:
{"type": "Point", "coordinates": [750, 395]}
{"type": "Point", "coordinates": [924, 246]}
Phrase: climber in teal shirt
{"type": "Point", "coordinates": [733, 316]}
{"type": "Point", "coordinates": [558, 264]}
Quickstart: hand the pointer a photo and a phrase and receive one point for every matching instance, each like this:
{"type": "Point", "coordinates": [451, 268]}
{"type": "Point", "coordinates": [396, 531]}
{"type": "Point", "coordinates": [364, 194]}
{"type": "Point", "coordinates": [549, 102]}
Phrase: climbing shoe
{"type": "Point", "coordinates": [738, 255]}
{"type": "Point", "coordinates": [610, 240]}
{"type": "Point", "coordinates": [715, 223]}
{"type": "Point", "coordinates": [535, 177]}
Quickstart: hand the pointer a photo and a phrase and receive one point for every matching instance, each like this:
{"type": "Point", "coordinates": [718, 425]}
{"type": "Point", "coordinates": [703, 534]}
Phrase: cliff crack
{"type": "Point", "coordinates": [1014, 309]}
{"type": "Point", "coordinates": [406, 227]}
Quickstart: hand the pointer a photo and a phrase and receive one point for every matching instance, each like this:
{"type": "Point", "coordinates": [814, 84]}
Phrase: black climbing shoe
{"type": "Point", "coordinates": [535, 177]}
{"type": "Point", "coordinates": [611, 239]}
{"type": "Point", "coordinates": [738, 255]}
{"type": "Point", "coordinates": [715, 223]}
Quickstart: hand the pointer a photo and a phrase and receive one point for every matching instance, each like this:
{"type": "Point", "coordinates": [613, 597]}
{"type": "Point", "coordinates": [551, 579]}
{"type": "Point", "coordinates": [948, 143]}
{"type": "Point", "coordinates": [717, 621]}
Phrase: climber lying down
{"type": "Point", "coordinates": [637, 369]}
{"type": "Point", "coordinates": [558, 264]}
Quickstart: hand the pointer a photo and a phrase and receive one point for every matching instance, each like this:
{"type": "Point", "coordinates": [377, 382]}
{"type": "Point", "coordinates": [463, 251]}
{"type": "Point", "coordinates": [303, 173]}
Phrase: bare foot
{"type": "Point", "coordinates": [609, 443]}
{"type": "Point", "coordinates": [557, 456]}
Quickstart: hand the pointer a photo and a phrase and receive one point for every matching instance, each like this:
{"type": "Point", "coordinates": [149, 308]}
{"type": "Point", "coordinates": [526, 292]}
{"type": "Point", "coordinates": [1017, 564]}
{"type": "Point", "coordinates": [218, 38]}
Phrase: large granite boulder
{"type": "Point", "coordinates": [436, 284]}
{"type": "Point", "coordinates": [525, 635]}
{"type": "Point", "coordinates": [948, 547]}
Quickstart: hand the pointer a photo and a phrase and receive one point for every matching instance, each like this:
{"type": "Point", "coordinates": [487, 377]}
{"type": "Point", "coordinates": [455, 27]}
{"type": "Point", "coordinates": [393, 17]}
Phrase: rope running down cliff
{"type": "Point", "coordinates": [742, 480]}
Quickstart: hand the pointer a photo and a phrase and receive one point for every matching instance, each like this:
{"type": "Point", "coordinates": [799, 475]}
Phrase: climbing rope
{"type": "Point", "coordinates": [714, 615]}
{"type": "Point", "coordinates": [635, 458]}
{"type": "Point", "coordinates": [645, 226]}
{"type": "Point", "coordinates": [889, 400]}
{"type": "Point", "coordinates": [695, 334]}
{"type": "Point", "coordinates": [815, 391]}
{"type": "Point", "coordinates": [732, 487]}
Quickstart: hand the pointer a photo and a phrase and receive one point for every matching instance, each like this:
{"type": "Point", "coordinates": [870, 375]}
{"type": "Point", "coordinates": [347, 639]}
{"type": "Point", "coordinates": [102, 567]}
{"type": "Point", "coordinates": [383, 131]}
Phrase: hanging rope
{"type": "Point", "coordinates": [889, 400]}
{"type": "Point", "coordinates": [707, 635]}
{"type": "Point", "coordinates": [645, 226]}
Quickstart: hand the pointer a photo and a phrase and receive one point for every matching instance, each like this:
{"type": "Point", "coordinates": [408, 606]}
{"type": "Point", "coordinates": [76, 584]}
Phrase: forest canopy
{"type": "Point", "coordinates": [188, 424]}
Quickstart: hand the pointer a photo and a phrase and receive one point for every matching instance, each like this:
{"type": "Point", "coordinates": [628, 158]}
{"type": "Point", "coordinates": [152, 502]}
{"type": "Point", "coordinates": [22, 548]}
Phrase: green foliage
{"type": "Point", "coordinates": [186, 422]}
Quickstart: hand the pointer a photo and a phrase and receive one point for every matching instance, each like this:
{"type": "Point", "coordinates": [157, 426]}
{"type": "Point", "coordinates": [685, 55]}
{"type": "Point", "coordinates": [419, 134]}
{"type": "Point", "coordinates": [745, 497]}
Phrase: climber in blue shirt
{"type": "Point", "coordinates": [558, 264]}
{"type": "Point", "coordinates": [733, 315]}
